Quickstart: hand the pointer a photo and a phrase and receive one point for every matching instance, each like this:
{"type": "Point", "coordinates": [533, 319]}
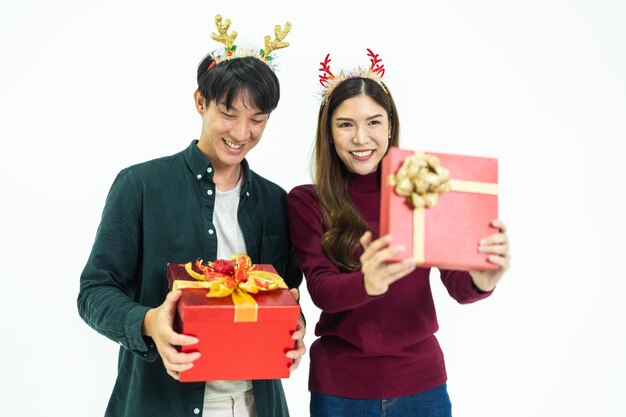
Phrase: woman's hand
{"type": "Point", "coordinates": [378, 273]}
{"type": "Point", "coordinates": [157, 324]}
{"type": "Point", "coordinates": [497, 245]}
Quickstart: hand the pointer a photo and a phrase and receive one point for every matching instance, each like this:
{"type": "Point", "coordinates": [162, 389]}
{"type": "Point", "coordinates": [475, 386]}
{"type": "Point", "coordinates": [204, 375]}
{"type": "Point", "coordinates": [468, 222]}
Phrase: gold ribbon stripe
{"type": "Point", "coordinates": [246, 307]}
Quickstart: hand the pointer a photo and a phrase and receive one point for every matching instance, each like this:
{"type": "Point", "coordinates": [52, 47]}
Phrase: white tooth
{"type": "Point", "coordinates": [361, 153]}
{"type": "Point", "coordinates": [232, 145]}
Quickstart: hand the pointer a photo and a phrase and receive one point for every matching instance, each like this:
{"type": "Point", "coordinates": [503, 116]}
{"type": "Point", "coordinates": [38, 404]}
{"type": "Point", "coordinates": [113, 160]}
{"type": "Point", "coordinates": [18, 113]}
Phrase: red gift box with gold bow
{"type": "Point", "coordinates": [439, 206]}
{"type": "Point", "coordinates": [242, 314]}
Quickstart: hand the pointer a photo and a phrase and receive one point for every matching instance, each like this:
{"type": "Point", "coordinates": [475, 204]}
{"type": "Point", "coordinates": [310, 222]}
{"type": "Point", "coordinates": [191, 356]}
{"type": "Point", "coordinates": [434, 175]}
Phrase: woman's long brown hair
{"type": "Point", "coordinates": [343, 221]}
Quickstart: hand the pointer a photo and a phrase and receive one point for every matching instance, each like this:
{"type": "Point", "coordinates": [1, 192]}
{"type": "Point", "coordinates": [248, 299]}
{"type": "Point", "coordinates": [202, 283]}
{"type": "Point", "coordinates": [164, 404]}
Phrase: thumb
{"type": "Point", "coordinates": [170, 301]}
{"type": "Point", "coordinates": [366, 239]}
{"type": "Point", "coordinates": [295, 293]}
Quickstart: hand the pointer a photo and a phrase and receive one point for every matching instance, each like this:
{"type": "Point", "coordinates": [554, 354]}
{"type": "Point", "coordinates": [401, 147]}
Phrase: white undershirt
{"type": "Point", "coordinates": [229, 241]}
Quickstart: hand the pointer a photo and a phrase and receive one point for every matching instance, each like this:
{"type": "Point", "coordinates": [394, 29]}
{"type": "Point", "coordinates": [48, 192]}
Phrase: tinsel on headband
{"type": "Point", "coordinates": [231, 51]}
{"type": "Point", "coordinates": [329, 81]}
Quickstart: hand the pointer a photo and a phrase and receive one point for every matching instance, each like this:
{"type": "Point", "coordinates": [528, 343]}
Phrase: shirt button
{"type": "Point", "coordinates": [211, 231]}
{"type": "Point", "coordinates": [247, 194]}
{"type": "Point", "coordinates": [196, 411]}
{"type": "Point", "coordinates": [209, 192]}
{"type": "Point", "coordinates": [209, 170]}
{"type": "Point", "coordinates": [199, 176]}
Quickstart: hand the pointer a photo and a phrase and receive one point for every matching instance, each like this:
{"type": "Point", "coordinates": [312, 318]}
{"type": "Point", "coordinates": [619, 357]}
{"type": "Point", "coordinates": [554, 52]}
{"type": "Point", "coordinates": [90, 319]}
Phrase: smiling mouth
{"type": "Point", "coordinates": [233, 145]}
{"type": "Point", "coordinates": [362, 154]}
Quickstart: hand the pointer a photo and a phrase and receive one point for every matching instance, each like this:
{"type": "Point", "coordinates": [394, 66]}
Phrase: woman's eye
{"type": "Point", "coordinates": [345, 124]}
{"type": "Point", "coordinates": [228, 116]}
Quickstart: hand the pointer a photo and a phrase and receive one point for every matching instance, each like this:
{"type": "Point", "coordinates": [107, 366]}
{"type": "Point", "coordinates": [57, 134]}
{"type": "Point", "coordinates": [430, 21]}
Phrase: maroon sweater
{"type": "Point", "coordinates": [369, 346]}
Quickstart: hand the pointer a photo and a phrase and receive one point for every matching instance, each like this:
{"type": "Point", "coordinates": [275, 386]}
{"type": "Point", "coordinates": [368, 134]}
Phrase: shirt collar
{"type": "Point", "coordinates": [202, 168]}
{"type": "Point", "coordinates": [365, 183]}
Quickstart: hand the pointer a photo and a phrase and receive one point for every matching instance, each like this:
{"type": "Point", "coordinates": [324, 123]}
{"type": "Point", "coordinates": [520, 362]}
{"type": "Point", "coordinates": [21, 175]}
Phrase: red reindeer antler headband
{"type": "Point", "coordinates": [329, 81]}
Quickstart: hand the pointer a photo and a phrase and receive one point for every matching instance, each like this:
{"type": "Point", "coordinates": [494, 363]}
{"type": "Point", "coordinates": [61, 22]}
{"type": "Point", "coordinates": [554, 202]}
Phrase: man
{"type": "Point", "coordinates": [203, 202]}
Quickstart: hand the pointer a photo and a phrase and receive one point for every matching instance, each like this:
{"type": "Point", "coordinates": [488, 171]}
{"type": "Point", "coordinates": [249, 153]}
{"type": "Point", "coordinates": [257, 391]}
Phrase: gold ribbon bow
{"type": "Point", "coordinates": [422, 179]}
{"type": "Point", "coordinates": [236, 277]}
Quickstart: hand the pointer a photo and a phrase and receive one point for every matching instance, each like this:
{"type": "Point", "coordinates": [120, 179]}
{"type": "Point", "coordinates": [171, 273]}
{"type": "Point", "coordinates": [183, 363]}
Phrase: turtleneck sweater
{"type": "Point", "coordinates": [369, 347]}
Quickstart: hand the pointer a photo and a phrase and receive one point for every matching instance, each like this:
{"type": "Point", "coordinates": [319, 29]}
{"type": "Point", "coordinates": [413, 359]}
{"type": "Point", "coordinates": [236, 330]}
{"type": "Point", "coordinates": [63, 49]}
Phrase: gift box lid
{"type": "Point", "coordinates": [195, 305]}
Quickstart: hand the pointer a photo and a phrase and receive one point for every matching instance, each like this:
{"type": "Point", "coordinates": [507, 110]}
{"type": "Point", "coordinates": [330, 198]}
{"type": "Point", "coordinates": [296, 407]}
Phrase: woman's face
{"type": "Point", "coordinates": [229, 134]}
{"type": "Point", "coordinates": [360, 132]}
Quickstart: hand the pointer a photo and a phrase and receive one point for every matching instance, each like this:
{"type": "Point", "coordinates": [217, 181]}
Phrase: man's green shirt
{"type": "Point", "coordinates": [157, 212]}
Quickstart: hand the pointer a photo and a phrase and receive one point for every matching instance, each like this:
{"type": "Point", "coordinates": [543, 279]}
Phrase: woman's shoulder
{"type": "Point", "coordinates": [302, 194]}
{"type": "Point", "coordinates": [304, 190]}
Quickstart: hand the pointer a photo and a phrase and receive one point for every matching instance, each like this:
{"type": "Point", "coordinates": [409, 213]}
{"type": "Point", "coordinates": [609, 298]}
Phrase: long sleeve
{"type": "Point", "coordinates": [110, 274]}
{"type": "Point", "coordinates": [461, 287]}
{"type": "Point", "coordinates": [330, 289]}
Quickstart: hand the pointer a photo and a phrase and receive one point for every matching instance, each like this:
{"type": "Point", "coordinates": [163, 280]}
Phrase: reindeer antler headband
{"type": "Point", "coordinates": [231, 51]}
{"type": "Point", "coordinates": [329, 81]}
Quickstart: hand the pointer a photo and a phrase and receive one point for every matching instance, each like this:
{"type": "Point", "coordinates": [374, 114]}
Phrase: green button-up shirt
{"type": "Point", "coordinates": [157, 212]}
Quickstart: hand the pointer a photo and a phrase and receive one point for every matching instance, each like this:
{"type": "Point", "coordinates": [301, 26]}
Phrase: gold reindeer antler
{"type": "Point", "coordinates": [223, 36]}
{"type": "Point", "coordinates": [279, 34]}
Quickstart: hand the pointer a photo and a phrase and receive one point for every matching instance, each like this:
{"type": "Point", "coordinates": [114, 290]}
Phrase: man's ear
{"type": "Point", "coordinates": [201, 105]}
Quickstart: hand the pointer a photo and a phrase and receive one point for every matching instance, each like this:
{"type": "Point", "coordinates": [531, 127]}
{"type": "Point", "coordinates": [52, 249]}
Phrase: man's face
{"type": "Point", "coordinates": [228, 134]}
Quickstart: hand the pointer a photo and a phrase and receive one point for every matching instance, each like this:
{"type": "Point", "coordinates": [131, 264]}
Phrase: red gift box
{"type": "Point", "coordinates": [230, 349]}
{"type": "Point", "coordinates": [446, 234]}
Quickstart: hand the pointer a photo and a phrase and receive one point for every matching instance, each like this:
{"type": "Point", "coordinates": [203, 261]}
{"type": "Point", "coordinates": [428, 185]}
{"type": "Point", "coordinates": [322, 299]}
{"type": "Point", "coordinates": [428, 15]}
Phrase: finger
{"type": "Point", "coordinates": [177, 339]}
{"type": "Point", "coordinates": [295, 293]}
{"type": "Point", "coordinates": [294, 365]}
{"type": "Point", "coordinates": [501, 261]}
{"type": "Point", "coordinates": [298, 334]}
{"type": "Point", "coordinates": [495, 249]}
{"type": "Point", "coordinates": [173, 374]}
{"type": "Point", "coordinates": [397, 270]}
{"type": "Point", "coordinates": [366, 239]}
{"type": "Point", "coordinates": [173, 358]}
{"type": "Point", "coordinates": [169, 305]}
{"type": "Point", "coordinates": [300, 323]}
{"type": "Point", "coordinates": [374, 247]}
{"type": "Point", "coordinates": [172, 298]}
{"type": "Point", "coordinates": [496, 238]}
{"type": "Point", "coordinates": [383, 255]}
{"type": "Point", "coordinates": [177, 368]}
{"type": "Point", "coordinates": [296, 353]}
{"type": "Point", "coordinates": [499, 224]}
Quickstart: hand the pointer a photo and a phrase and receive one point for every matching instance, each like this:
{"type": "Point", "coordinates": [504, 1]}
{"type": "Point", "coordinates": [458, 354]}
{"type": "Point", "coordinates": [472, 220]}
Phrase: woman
{"type": "Point", "coordinates": [376, 353]}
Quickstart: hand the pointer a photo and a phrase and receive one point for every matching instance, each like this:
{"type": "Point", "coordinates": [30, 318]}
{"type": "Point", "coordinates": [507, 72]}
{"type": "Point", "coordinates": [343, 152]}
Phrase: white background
{"type": "Point", "coordinates": [87, 88]}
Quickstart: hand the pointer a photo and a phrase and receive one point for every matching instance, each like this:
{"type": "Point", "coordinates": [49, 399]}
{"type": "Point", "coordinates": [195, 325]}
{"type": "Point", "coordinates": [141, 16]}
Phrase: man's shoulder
{"type": "Point", "coordinates": [265, 185]}
{"type": "Point", "coordinates": [158, 165]}
{"type": "Point", "coordinates": [157, 162]}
